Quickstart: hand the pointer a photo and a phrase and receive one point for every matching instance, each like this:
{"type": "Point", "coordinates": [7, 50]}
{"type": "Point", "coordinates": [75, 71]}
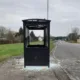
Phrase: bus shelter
{"type": "Point", "coordinates": [37, 54]}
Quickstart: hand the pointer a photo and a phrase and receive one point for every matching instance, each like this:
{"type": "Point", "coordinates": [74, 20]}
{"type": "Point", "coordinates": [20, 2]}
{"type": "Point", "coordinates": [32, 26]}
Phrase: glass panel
{"type": "Point", "coordinates": [27, 36]}
{"type": "Point", "coordinates": [36, 37]}
{"type": "Point", "coordinates": [27, 33]}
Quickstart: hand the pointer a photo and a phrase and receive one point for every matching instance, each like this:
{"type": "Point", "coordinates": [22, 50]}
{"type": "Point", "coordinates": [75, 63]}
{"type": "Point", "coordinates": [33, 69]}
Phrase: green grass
{"type": "Point", "coordinates": [36, 42]}
{"type": "Point", "coordinates": [9, 50]}
{"type": "Point", "coordinates": [51, 45]}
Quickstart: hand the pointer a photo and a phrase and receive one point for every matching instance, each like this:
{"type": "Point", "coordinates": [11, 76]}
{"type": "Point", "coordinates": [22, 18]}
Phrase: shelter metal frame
{"type": "Point", "coordinates": [36, 55]}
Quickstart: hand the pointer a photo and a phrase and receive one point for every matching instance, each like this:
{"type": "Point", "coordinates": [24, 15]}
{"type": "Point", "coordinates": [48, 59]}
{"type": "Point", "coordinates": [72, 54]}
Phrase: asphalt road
{"type": "Point", "coordinates": [65, 50]}
{"type": "Point", "coordinates": [69, 56]}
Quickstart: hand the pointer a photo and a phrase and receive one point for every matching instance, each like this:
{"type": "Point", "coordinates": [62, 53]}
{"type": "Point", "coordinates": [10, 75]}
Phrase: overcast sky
{"type": "Point", "coordinates": [64, 14]}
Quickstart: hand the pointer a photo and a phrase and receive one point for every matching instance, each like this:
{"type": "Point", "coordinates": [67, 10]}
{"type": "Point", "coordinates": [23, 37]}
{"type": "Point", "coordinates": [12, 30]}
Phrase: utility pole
{"type": "Point", "coordinates": [47, 9]}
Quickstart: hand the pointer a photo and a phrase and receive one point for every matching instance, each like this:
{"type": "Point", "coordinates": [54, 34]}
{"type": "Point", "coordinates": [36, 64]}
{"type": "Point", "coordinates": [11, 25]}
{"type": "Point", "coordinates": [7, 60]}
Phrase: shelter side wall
{"type": "Point", "coordinates": [36, 57]}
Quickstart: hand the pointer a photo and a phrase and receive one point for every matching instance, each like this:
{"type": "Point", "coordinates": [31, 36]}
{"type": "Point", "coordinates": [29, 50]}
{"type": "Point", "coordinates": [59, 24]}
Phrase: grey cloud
{"type": "Point", "coordinates": [64, 14]}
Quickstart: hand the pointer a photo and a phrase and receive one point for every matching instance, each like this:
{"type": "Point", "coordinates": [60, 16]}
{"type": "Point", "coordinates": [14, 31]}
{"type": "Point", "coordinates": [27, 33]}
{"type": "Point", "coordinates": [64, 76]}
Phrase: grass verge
{"type": "Point", "coordinates": [10, 50]}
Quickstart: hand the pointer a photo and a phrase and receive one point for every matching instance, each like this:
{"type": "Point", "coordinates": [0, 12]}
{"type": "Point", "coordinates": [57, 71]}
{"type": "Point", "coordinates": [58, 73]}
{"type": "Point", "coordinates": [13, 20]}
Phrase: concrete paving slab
{"type": "Point", "coordinates": [13, 69]}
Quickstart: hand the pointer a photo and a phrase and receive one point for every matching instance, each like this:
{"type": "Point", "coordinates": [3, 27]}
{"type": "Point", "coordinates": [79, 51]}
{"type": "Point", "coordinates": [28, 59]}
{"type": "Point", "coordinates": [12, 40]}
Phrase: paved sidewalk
{"type": "Point", "coordinates": [13, 69]}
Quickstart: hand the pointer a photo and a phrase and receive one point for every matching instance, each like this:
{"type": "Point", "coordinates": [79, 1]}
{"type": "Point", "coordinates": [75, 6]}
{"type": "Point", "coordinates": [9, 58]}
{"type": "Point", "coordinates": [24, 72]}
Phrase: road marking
{"type": "Point", "coordinates": [69, 75]}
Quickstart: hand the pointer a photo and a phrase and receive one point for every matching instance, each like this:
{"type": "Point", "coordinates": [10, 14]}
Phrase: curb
{"type": "Point", "coordinates": [69, 75]}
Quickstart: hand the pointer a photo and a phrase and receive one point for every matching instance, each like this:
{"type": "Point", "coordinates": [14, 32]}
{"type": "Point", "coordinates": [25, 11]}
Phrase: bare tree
{"type": "Point", "coordinates": [10, 35]}
{"type": "Point", "coordinates": [75, 30]}
{"type": "Point", "coordinates": [21, 31]}
{"type": "Point", "coordinates": [74, 35]}
{"type": "Point", "coordinates": [2, 31]}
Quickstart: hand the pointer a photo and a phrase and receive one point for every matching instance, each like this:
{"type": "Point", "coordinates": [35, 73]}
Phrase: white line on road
{"type": "Point", "coordinates": [69, 75]}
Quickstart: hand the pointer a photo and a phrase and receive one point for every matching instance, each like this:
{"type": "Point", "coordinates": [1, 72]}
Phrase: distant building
{"type": "Point", "coordinates": [40, 38]}
{"type": "Point", "coordinates": [3, 38]}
